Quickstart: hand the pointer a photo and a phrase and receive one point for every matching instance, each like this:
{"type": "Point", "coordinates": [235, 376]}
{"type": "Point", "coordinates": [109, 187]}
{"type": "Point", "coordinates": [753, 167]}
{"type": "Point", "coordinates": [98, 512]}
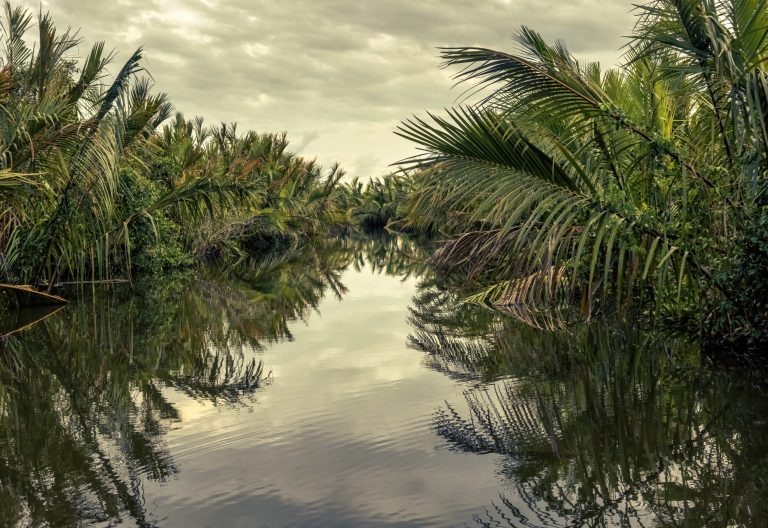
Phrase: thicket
{"type": "Point", "coordinates": [379, 203]}
{"type": "Point", "coordinates": [637, 189]}
{"type": "Point", "coordinates": [100, 178]}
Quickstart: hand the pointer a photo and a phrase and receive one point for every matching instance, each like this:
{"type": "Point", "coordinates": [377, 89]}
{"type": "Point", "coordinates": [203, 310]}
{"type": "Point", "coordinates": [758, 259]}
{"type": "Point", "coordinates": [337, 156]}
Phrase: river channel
{"type": "Point", "coordinates": [344, 385]}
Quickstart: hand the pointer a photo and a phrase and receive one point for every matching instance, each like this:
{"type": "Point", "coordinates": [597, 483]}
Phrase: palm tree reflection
{"type": "Point", "coordinates": [598, 425]}
{"type": "Point", "coordinates": [85, 394]}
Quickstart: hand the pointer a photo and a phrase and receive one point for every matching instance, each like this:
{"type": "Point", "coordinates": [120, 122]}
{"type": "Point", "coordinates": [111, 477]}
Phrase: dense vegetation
{"type": "Point", "coordinates": [637, 191]}
{"type": "Point", "coordinates": [380, 202]}
{"type": "Point", "coordinates": [99, 179]}
{"type": "Point", "coordinates": [634, 190]}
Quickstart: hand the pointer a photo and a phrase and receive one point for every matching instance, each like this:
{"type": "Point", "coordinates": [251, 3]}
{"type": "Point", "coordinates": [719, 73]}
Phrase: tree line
{"type": "Point", "coordinates": [638, 190]}
{"type": "Point", "coordinates": [100, 178]}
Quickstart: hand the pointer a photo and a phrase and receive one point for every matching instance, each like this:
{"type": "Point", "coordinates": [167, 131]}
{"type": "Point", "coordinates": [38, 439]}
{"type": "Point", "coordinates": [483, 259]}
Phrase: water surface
{"type": "Point", "coordinates": [345, 385]}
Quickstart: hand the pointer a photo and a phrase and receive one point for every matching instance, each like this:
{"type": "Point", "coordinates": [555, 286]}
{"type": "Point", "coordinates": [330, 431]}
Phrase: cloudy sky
{"type": "Point", "coordinates": [337, 75]}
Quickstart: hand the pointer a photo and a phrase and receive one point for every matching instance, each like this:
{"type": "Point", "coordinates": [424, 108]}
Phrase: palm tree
{"type": "Point", "coordinates": [641, 183]}
{"type": "Point", "coordinates": [79, 153]}
{"type": "Point", "coordinates": [378, 203]}
{"type": "Point", "coordinates": [67, 132]}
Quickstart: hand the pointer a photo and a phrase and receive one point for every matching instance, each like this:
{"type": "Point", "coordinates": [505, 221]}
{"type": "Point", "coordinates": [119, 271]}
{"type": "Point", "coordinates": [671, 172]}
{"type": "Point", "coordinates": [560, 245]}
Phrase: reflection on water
{"type": "Point", "coordinates": [84, 393]}
{"type": "Point", "coordinates": [303, 390]}
{"type": "Point", "coordinates": [599, 426]}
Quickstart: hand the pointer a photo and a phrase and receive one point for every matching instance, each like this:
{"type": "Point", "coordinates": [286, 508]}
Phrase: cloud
{"type": "Point", "coordinates": [366, 164]}
{"type": "Point", "coordinates": [324, 66]}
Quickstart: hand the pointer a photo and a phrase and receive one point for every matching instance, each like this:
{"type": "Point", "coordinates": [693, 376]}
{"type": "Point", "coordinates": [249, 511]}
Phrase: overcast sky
{"type": "Point", "coordinates": [337, 75]}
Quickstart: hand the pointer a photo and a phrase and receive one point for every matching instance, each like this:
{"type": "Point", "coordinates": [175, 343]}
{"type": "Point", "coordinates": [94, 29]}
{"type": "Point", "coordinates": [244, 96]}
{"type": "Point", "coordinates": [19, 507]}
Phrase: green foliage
{"type": "Point", "coordinates": [286, 196]}
{"type": "Point", "coordinates": [616, 190]}
{"type": "Point", "coordinates": [97, 180]}
{"type": "Point", "coordinates": [155, 241]}
{"type": "Point", "coordinates": [379, 203]}
{"type": "Point", "coordinates": [739, 321]}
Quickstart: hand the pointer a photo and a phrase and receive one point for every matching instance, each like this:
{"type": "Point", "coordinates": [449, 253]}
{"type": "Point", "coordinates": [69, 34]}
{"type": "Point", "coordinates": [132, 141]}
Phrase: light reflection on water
{"type": "Point", "coordinates": [341, 437]}
{"type": "Point", "coordinates": [342, 385]}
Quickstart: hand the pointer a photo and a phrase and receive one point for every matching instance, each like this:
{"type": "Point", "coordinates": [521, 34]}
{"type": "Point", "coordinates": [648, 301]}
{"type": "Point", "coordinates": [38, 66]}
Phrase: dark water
{"type": "Point", "coordinates": [343, 386]}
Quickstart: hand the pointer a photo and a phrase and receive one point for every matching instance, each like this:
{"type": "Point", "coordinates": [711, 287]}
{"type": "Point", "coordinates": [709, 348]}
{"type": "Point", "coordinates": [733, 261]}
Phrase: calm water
{"type": "Point", "coordinates": [344, 386]}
